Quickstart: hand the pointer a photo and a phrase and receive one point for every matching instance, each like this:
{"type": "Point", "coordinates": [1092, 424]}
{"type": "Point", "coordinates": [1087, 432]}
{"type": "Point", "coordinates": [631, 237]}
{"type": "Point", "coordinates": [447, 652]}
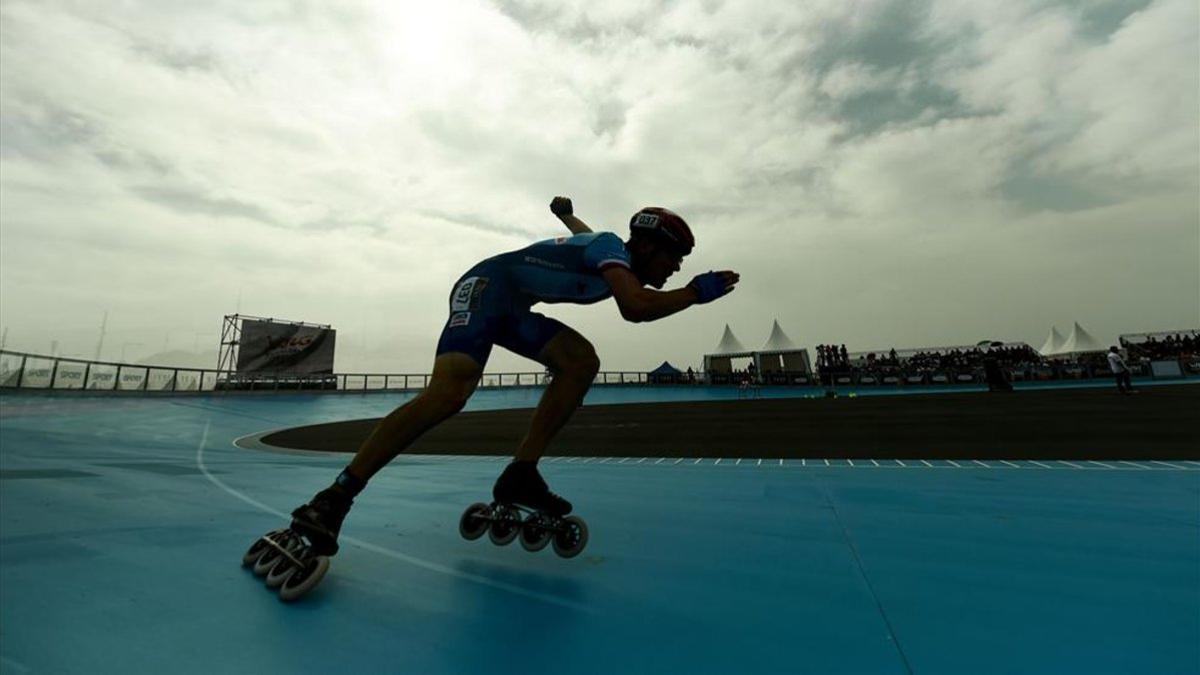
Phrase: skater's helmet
{"type": "Point", "coordinates": [665, 227]}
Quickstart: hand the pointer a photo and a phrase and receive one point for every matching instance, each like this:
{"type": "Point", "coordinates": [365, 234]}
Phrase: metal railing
{"type": "Point", "coordinates": [26, 371]}
{"type": "Point", "coordinates": [21, 370]}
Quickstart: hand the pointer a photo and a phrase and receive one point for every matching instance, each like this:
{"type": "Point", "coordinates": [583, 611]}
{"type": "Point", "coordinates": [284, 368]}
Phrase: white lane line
{"type": "Point", "coordinates": [1059, 464]}
{"type": "Point", "coordinates": [395, 555]}
{"type": "Point", "coordinates": [1173, 466]}
{"type": "Point", "coordinates": [1089, 465]}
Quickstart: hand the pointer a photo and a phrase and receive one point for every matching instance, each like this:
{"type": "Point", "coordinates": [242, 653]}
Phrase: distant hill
{"type": "Point", "coordinates": [179, 358]}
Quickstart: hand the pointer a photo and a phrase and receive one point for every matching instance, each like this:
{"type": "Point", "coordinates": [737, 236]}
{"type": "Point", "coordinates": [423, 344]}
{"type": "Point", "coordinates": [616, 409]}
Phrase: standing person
{"type": "Point", "coordinates": [1120, 371]}
{"type": "Point", "coordinates": [490, 305]}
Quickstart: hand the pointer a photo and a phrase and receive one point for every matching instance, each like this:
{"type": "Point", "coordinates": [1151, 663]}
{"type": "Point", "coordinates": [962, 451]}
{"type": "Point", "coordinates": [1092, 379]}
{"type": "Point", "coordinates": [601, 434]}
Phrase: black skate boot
{"type": "Point", "coordinates": [320, 520]}
{"type": "Point", "coordinates": [521, 484]}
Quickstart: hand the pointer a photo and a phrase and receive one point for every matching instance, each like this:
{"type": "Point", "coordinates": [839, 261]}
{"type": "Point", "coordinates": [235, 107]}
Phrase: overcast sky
{"type": "Point", "coordinates": [880, 173]}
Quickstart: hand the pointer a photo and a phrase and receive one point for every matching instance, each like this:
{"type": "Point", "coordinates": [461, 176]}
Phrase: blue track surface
{"type": "Point", "coordinates": [122, 522]}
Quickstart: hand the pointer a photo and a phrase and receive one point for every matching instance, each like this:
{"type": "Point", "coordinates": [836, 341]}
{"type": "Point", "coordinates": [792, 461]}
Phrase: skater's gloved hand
{"type": "Point", "coordinates": [561, 206]}
{"type": "Point", "coordinates": [712, 285]}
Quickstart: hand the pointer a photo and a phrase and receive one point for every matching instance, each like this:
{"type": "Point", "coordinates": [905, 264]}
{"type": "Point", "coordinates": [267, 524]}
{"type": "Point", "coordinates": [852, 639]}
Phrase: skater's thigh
{"type": "Point", "coordinates": [568, 350]}
{"type": "Point", "coordinates": [527, 333]}
{"type": "Point", "coordinates": [455, 375]}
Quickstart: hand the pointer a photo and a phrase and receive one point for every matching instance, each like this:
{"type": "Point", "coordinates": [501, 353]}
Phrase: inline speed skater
{"type": "Point", "coordinates": [491, 304]}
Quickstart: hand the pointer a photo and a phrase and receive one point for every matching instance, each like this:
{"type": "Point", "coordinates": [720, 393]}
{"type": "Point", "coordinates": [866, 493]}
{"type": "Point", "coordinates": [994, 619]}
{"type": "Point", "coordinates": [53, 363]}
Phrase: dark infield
{"type": "Point", "coordinates": [1158, 423]}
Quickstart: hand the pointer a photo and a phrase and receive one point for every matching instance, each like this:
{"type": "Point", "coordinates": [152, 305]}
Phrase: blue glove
{"type": "Point", "coordinates": [709, 286]}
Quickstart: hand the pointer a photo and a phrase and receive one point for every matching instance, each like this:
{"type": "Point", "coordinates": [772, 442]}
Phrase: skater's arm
{"type": "Point", "coordinates": [562, 208]}
{"type": "Point", "coordinates": [638, 303]}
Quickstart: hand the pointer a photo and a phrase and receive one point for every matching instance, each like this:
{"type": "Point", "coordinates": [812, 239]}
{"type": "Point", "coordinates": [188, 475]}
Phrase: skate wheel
{"type": "Point", "coordinates": [571, 538]}
{"type": "Point", "coordinates": [284, 567]}
{"type": "Point", "coordinates": [266, 561]}
{"type": "Point", "coordinates": [258, 548]}
{"type": "Point", "coordinates": [505, 527]}
{"type": "Point", "coordinates": [288, 541]}
{"type": "Point", "coordinates": [474, 521]}
{"type": "Point", "coordinates": [280, 573]}
{"type": "Point", "coordinates": [303, 580]}
{"type": "Point", "coordinates": [535, 534]}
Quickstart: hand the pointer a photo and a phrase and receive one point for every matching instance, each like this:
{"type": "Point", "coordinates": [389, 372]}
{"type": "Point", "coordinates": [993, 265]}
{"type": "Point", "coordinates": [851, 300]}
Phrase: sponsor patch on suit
{"type": "Point", "coordinates": [469, 294]}
{"type": "Point", "coordinates": [460, 319]}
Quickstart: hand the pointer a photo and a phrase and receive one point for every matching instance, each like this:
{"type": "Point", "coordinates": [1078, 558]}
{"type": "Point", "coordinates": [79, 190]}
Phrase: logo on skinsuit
{"type": "Point", "coordinates": [468, 295]}
{"type": "Point", "coordinates": [460, 319]}
{"type": "Point", "coordinates": [477, 293]}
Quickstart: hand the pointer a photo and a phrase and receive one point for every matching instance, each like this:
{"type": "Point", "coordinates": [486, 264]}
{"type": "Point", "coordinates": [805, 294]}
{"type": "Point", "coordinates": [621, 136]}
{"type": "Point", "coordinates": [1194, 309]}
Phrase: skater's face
{"type": "Point", "coordinates": [652, 263]}
{"type": "Point", "coordinates": [660, 266]}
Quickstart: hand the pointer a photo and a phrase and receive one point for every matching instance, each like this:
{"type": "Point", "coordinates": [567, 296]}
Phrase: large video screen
{"type": "Point", "coordinates": [280, 348]}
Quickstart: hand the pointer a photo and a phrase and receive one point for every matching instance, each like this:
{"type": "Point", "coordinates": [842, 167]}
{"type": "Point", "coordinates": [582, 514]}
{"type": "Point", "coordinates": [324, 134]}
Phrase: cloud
{"type": "Point", "coordinates": [862, 163]}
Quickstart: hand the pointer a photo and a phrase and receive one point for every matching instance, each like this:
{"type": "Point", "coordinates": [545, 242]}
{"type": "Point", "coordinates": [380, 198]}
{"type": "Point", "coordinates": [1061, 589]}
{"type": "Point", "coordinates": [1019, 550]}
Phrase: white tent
{"type": "Point", "coordinates": [779, 362]}
{"type": "Point", "coordinates": [778, 340]}
{"type": "Point", "coordinates": [1054, 342]}
{"type": "Point", "coordinates": [1080, 341]}
{"type": "Point", "coordinates": [729, 343]}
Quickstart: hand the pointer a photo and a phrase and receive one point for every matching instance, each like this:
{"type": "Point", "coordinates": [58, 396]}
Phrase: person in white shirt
{"type": "Point", "coordinates": [1120, 371]}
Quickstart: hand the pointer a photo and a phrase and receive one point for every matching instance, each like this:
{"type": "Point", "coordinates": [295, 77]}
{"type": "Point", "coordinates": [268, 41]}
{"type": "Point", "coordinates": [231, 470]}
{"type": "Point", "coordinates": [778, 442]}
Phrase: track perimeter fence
{"type": "Point", "coordinates": [32, 372]}
{"type": "Point", "coordinates": [20, 370]}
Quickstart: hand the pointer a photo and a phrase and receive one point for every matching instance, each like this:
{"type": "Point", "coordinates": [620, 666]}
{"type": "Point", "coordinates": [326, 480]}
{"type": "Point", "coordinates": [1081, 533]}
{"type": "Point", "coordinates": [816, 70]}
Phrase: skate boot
{"type": "Point", "coordinates": [521, 484]}
{"type": "Point", "coordinates": [525, 509]}
{"type": "Point", "coordinates": [320, 520]}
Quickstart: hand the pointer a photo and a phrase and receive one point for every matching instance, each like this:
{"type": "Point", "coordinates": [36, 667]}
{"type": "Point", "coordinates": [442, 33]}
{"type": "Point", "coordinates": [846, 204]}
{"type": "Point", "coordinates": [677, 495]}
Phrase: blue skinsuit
{"type": "Point", "coordinates": [490, 304]}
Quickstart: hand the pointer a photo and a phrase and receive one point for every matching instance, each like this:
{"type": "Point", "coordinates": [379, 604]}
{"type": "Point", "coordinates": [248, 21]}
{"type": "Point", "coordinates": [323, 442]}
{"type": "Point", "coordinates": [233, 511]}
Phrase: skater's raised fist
{"type": "Point", "coordinates": [561, 206]}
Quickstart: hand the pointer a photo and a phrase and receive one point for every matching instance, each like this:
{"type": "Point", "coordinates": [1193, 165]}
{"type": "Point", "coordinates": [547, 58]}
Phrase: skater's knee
{"type": "Point", "coordinates": [580, 360]}
{"type": "Point", "coordinates": [447, 398]}
{"type": "Point", "coordinates": [584, 365]}
{"type": "Point", "coordinates": [570, 354]}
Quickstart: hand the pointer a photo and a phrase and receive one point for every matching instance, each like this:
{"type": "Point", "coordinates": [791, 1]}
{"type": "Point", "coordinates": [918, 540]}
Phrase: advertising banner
{"type": "Point", "coordinates": [283, 349]}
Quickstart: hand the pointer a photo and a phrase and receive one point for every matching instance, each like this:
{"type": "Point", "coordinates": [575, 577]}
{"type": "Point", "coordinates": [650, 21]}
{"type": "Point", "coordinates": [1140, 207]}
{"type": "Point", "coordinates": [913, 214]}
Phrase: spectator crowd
{"type": "Point", "coordinates": [996, 361]}
{"type": "Point", "coordinates": [1179, 345]}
